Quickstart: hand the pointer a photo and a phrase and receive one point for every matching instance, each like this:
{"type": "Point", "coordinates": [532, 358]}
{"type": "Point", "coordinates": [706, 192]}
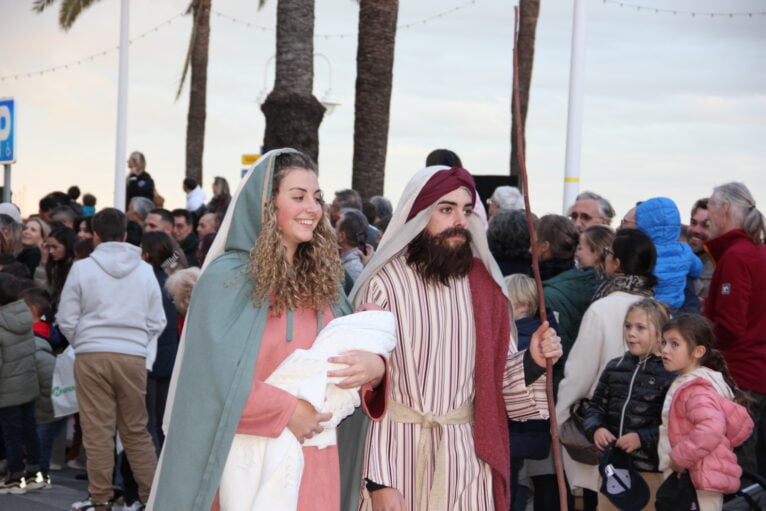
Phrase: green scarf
{"type": "Point", "coordinates": [214, 372]}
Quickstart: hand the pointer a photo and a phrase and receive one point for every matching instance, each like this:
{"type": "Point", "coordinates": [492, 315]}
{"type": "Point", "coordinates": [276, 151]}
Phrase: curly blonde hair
{"type": "Point", "coordinates": [314, 278]}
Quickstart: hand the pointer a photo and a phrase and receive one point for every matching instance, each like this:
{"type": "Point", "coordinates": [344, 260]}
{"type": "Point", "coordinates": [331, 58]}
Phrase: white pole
{"type": "Point", "coordinates": [122, 110]}
{"type": "Point", "coordinates": [575, 110]}
{"type": "Point", "coordinates": [7, 182]}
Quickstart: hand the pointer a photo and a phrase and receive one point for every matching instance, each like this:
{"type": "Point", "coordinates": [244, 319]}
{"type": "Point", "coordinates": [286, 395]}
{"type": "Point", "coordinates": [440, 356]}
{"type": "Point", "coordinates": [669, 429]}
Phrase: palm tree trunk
{"type": "Point", "coordinates": [292, 112]}
{"type": "Point", "coordinates": [374, 77]}
{"type": "Point", "coordinates": [195, 120]}
{"type": "Point", "coordinates": [529, 10]}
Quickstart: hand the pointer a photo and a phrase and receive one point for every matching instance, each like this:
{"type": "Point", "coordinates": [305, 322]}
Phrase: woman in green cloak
{"type": "Point", "coordinates": [271, 281]}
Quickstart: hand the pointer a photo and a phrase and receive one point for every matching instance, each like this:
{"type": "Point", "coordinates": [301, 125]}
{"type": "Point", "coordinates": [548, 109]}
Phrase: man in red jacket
{"type": "Point", "coordinates": [737, 301]}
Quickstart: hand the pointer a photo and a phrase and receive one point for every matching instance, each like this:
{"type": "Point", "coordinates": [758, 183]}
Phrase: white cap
{"type": "Point", "coordinates": [6, 208]}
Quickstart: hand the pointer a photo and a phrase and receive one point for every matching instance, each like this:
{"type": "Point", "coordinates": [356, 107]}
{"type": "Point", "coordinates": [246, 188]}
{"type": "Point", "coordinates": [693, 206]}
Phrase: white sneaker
{"type": "Point", "coordinates": [36, 481]}
{"type": "Point", "coordinates": [13, 486]}
{"type": "Point", "coordinates": [89, 505]}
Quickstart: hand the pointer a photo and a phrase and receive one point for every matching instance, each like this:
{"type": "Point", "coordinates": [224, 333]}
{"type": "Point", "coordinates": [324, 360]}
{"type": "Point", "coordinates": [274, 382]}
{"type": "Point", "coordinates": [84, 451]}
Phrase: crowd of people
{"type": "Point", "coordinates": [176, 319]}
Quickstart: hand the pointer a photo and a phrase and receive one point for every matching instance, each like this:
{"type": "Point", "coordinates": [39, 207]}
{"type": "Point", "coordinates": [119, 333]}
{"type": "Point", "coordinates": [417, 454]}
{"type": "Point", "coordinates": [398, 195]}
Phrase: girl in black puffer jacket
{"type": "Point", "coordinates": [626, 407]}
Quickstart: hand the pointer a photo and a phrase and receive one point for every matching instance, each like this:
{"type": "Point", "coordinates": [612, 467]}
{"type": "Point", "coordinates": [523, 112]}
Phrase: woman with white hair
{"type": "Point", "coordinates": [504, 197]}
{"type": "Point", "coordinates": [737, 300]}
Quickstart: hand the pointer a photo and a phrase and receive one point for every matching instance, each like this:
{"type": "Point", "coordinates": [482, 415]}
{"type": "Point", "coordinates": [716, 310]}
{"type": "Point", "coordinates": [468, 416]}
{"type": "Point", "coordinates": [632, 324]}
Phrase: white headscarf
{"type": "Point", "coordinates": [400, 233]}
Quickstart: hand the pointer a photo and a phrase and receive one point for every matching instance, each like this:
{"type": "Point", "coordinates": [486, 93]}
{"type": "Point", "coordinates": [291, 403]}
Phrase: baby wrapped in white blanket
{"type": "Point", "coordinates": [265, 473]}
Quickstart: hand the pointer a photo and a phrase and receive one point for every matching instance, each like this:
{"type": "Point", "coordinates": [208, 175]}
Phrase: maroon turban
{"type": "Point", "coordinates": [440, 184]}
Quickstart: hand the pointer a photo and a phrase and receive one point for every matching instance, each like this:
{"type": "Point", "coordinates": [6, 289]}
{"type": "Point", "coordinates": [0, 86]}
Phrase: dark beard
{"type": "Point", "coordinates": [435, 260]}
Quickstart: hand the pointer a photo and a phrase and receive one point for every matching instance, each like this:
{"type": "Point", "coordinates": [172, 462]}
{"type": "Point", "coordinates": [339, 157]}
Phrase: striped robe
{"type": "Point", "coordinates": [432, 370]}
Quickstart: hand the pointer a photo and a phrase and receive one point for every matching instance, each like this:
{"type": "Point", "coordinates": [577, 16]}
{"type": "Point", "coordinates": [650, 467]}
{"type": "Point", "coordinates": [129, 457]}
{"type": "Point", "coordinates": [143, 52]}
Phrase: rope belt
{"type": "Point", "coordinates": [433, 499]}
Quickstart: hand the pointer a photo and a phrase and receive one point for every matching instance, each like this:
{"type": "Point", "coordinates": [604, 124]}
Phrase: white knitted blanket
{"type": "Point", "coordinates": [265, 473]}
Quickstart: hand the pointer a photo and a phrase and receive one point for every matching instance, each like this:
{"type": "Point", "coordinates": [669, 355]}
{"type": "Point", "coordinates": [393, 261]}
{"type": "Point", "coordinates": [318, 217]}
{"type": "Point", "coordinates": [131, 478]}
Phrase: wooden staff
{"type": "Point", "coordinates": [536, 266]}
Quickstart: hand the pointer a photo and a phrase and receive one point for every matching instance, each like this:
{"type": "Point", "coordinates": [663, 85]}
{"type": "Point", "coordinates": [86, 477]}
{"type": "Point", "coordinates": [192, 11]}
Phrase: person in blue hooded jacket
{"type": "Point", "coordinates": [660, 220]}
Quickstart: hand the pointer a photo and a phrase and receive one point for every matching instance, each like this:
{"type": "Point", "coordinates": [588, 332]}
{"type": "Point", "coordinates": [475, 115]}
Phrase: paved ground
{"type": "Point", "coordinates": [64, 490]}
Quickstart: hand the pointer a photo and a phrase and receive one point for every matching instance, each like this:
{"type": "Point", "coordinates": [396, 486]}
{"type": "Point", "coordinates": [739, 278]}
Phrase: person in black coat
{"type": "Point", "coordinates": [156, 249]}
{"type": "Point", "coordinates": [183, 233]}
{"type": "Point", "coordinates": [626, 407]}
{"type": "Point", "coordinates": [140, 183]}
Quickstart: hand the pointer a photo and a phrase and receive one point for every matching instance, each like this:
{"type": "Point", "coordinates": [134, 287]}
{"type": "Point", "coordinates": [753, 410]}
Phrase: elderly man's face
{"type": "Point", "coordinates": [585, 213]}
{"type": "Point", "coordinates": [717, 216]}
{"type": "Point", "coordinates": [699, 229]}
{"type": "Point", "coordinates": [206, 225]}
{"type": "Point", "coordinates": [452, 212]}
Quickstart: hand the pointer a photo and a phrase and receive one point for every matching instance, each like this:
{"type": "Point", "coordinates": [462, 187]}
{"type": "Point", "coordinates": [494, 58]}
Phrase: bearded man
{"type": "Point", "coordinates": [698, 233]}
{"type": "Point", "coordinates": [455, 375]}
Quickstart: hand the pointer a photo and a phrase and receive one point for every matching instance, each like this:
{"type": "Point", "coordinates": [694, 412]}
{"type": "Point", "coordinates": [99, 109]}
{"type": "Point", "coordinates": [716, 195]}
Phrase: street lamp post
{"type": "Point", "coordinates": [575, 110]}
{"type": "Point", "coordinates": [122, 110]}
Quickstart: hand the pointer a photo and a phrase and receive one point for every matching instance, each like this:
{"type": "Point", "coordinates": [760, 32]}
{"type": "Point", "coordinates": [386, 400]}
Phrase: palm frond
{"type": "Point", "coordinates": [40, 5]}
{"type": "Point", "coordinates": [71, 10]}
{"type": "Point", "coordinates": [190, 50]}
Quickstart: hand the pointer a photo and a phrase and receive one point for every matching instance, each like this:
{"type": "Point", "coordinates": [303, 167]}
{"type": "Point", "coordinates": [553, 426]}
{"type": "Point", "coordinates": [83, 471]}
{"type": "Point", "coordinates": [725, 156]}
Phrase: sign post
{"type": "Point", "coordinates": [7, 142]}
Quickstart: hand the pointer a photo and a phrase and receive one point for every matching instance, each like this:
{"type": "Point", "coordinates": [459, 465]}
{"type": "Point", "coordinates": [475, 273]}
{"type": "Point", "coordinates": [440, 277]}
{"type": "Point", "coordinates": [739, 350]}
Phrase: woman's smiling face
{"type": "Point", "coordinates": [32, 234]}
{"type": "Point", "coordinates": [299, 207]}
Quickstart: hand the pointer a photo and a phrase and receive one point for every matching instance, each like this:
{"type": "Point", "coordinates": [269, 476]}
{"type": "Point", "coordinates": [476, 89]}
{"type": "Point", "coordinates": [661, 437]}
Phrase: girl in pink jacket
{"type": "Point", "coordinates": [703, 419]}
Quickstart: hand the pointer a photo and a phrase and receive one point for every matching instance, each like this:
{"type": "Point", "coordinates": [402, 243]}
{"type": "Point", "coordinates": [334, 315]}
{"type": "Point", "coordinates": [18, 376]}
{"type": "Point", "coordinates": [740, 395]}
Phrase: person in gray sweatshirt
{"type": "Point", "coordinates": [111, 308]}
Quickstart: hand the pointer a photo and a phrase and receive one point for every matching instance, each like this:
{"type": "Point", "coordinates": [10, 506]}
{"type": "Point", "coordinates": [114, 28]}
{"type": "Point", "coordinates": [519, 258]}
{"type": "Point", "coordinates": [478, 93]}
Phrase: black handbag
{"type": "Point", "coordinates": [572, 435]}
{"type": "Point", "coordinates": [676, 494]}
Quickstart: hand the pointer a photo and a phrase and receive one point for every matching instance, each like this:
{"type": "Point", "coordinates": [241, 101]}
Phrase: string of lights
{"type": "Point", "coordinates": [219, 14]}
{"type": "Point", "coordinates": [92, 56]}
{"type": "Point", "coordinates": [693, 14]}
{"type": "Point", "coordinates": [403, 26]}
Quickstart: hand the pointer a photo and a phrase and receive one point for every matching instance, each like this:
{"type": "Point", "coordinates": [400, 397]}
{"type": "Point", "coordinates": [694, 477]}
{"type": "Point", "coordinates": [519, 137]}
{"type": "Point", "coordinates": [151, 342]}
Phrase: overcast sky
{"type": "Point", "coordinates": [674, 104]}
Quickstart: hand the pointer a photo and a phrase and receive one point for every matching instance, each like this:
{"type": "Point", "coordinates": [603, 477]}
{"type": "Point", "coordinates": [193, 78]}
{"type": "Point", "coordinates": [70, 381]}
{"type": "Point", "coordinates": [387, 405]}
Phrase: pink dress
{"type": "Point", "coordinates": [268, 409]}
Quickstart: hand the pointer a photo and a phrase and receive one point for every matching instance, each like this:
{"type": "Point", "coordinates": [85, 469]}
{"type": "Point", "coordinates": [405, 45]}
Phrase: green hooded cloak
{"type": "Point", "coordinates": [214, 372]}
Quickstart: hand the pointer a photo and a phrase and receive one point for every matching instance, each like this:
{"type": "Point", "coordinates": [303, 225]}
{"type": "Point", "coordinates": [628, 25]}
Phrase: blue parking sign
{"type": "Point", "coordinates": [7, 130]}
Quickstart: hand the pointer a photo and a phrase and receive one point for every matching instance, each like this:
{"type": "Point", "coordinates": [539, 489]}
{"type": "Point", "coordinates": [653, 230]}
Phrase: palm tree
{"type": "Point", "coordinates": [196, 57]}
{"type": "Point", "coordinates": [529, 11]}
{"type": "Point", "coordinates": [293, 114]}
{"type": "Point", "coordinates": [374, 76]}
